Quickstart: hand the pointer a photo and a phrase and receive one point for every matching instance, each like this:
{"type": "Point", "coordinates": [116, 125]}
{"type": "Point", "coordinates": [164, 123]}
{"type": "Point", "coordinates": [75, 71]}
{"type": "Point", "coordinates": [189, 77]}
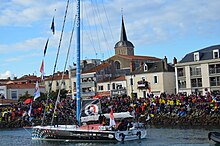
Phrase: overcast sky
{"type": "Point", "coordinates": [157, 28]}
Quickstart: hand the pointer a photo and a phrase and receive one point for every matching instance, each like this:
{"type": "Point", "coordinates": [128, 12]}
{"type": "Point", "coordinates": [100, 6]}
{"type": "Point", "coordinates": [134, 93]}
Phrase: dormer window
{"type": "Point", "coordinates": [196, 56]}
{"type": "Point", "coordinates": [215, 54]}
{"type": "Point", "coordinates": [145, 67]}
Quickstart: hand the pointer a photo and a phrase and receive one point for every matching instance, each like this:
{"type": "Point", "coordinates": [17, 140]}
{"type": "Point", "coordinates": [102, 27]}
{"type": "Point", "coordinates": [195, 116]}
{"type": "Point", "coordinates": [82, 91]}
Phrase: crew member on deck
{"type": "Point", "coordinates": [123, 125]}
{"type": "Point", "coordinates": [103, 120]}
{"type": "Point", "coordinates": [100, 119]}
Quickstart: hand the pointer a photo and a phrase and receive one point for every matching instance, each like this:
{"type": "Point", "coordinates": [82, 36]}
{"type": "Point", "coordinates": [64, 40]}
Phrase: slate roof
{"type": "Point", "coordinates": [123, 40]}
{"type": "Point", "coordinates": [23, 86]}
{"type": "Point", "coordinates": [57, 77]}
{"type": "Point", "coordinates": [205, 54]}
{"type": "Point", "coordinates": [119, 78]}
{"type": "Point", "coordinates": [98, 68]}
{"type": "Point", "coordinates": [154, 67]}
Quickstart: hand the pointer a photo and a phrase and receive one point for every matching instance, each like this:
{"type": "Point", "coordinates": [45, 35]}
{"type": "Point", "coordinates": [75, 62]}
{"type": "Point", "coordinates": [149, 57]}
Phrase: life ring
{"type": "Point", "coordinates": [91, 109]}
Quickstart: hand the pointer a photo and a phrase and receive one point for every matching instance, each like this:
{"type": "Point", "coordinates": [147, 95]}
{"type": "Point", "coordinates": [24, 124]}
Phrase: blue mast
{"type": "Point", "coordinates": [78, 101]}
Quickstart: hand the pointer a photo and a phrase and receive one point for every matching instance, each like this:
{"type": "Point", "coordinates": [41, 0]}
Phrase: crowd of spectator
{"type": "Point", "coordinates": [151, 109]}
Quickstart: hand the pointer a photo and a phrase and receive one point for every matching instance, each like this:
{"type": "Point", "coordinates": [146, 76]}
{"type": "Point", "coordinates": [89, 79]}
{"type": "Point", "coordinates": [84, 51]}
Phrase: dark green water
{"type": "Point", "coordinates": [156, 137]}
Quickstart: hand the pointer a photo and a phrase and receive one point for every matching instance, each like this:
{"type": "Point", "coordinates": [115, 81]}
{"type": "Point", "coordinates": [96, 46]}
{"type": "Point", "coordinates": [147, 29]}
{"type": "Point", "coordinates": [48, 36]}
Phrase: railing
{"type": "Point", "coordinates": [182, 86]}
{"type": "Point", "coordinates": [87, 76]}
{"type": "Point", "coordinates": [88, 84]}
{"type": "Point", "coordinates": [92, 93]}
{"type": "Point", "coordinates": [142, 84]}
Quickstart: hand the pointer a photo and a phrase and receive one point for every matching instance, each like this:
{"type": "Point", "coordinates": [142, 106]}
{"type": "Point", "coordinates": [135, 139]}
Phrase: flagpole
{"type": "Point", "coordinates": [78, 101]}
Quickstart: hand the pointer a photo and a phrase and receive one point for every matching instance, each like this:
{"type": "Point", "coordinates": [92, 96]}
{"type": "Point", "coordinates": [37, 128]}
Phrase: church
{"type": "Point", "coordinates": [127, 74]}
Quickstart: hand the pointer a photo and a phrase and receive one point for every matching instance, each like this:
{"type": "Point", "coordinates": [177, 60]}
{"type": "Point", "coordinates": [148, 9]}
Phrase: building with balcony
{"type": "Point", "coordinates": [199, 71]}
{"type": "Point", "coordinates": [112, 87]}
{"type": "Point", "coordinates": [156, 78]}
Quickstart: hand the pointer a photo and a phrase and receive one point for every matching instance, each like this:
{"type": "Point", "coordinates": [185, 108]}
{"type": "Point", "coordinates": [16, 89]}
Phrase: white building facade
{"type": "Point", "coordinates": [199, 72]}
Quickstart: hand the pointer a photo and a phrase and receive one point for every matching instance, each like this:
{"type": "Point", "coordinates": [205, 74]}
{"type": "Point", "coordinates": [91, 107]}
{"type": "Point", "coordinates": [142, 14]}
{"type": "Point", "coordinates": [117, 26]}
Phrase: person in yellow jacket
{"type": "Point", "coordinates": [171, 102]}
{"type": "Point", "coordinates": [178, 102]}
{"type": "Point", "coordinates": [168, 102]}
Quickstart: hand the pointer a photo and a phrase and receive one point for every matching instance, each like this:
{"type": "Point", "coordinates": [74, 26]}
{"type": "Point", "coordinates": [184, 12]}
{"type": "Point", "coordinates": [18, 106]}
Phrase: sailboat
{"type": "Point", "coordinates": [90, 107]}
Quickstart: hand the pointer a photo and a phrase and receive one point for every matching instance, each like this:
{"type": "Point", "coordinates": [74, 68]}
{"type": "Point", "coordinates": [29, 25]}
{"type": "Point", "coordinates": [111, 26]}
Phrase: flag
{"type": "Point", "coordinates": [52, 26]}
{"type": "Point", "coordinates": [36, 92]}
{"type": "Point", "coordinates": [90, 107]}
{"type": "Point", "coordinates": [42, 67]}
{"type": "Point", "coordinates": [45, 48]}
{"type": "Point", "coordinates": [42, 70]}
{"type": "Point", "coordinates": [112, 120]}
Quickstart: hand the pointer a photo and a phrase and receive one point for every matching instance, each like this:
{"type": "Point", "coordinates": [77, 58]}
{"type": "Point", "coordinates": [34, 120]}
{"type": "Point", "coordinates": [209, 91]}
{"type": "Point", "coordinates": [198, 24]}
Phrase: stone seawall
{"type": "Point", "coordinates": [188, 120]}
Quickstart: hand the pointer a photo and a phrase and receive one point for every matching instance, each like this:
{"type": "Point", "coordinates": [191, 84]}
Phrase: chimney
{"type": "Point", "coordinates": [132, 67]}
{"type": "Point", "coordinates": [174, 60]}
{"type": "Point", "coordinates": [165, 63]}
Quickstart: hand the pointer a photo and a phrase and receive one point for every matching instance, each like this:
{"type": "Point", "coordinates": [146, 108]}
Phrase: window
{"type": "Point", "coordinates": [117, 65]}
{"type": "Point", "coordinates": [180, 72]}
{"type": "Point", "coordinates": [145, 67]}
{"type": "Point", "coordinates": [181, 83]}
{"type": "Point", "coordinates": [108, 86]}
{"type": "Point", "coordinates": [113, 86]}
{"type": "Point", "coordinates": [100, 88]}
{"type": "Point", "coordinates": [14, 95]}
{"type": "Point", "coordinates": [131, 81]}
{"type": "Point", "coordinates": [197, 82]}
{"type": "Point", "coordinates": [214, 68]}
{"type": "Point", "coordinates": [155, 79]}
{"type": "Point", "coordinates": [214, 81]}
{"type": "Point", "coordinates": [195, 70]}
{"type": "Point", "coordinates": [196, 56]}
{"type": "Point", "coordinates": [215, 54]}
{"type": "Point", "coordinates": [144, 94]}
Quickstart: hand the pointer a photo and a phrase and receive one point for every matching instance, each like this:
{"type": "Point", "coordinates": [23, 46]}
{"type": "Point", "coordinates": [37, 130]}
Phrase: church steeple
{"type": "Point", "coordinates": [124, 46]}
{"type": "Point", "coordinates": [123, 32]}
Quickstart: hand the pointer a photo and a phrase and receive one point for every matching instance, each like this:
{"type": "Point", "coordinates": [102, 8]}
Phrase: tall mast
{"type": "Point", "coordinates": [78, 101]}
